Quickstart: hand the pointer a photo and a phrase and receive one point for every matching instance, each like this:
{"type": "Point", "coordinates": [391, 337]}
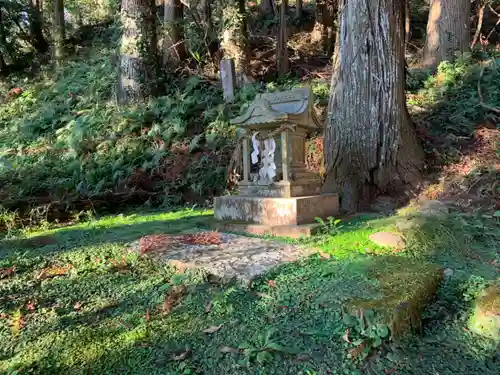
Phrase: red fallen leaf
{"type": "Point", "coordinates": [354, 352]}
{"type": "Point", "coordinates": [7, 272]}
{"type": "Point", "coordinates": [283, 307]}
{"type": "Point", "coordinates": [153, 242]}
{"type": "Point", "coordinates": [30, 306]}
{"type": "Point", "coordinates": [271, 283]}
{"type": "Point", "coordinates": [346, 336]}
{"type": "Point", "coordinates": [77, 306]}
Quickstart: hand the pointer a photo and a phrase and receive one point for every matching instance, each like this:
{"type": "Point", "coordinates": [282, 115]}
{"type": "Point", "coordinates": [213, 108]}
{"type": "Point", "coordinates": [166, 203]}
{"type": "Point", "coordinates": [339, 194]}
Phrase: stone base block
{"type": "Point", "coordinates": [275, 211]}
{"type": "Point", "coordinates": [293, 231]}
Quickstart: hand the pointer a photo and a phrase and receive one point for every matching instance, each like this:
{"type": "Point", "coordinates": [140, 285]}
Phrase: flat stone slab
{"type": "Point", "coordinates": [388, 239]}
{"type": "Point", "coordinates": [236, 256]}
{"type": "Point", "coordinates": [292, 231]}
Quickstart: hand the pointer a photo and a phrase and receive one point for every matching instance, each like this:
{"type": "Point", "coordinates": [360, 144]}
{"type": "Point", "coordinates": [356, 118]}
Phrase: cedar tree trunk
{"type": "Point", "coordinates": [138, 51]}
{"type": "Point", "coordinates": [59, 30]}
{"type": "Point", "coordinates": [235, 37]}
{"type": "Point", "coordinates": [370, 141]}
{"type": "Point", "coordinates": [324, 16]}
{"type": "Point", "coordinates": [448, 31]}
{"type": "Point", "coordinates": [174, 46]}
{"type": "Point", "coordinates": [281, 45]}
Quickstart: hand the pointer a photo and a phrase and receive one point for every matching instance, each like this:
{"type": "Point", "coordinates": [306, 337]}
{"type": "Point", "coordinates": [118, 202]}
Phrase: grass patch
{"type": "Point", "coordinates": [103, 311]}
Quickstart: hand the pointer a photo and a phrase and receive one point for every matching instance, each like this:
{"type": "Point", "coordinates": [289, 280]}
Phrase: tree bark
{"type": "Point", "coordinates": [267, 6]}
{"type": "Point", "coordinates": [370, 142]}
{"type": "Point", "coordinates": [407, 20]}
{"type": "Point", "coordinates": [448, 31]}
{"type": "Point", "coordinates": [299, 8]}
{"type": "Point", "coordinates": [36, 27]}
{"type": "Point", "coordinates": [138, 51]}
{"type": "Point", "coordinates": [174, 46]}
{"type": "Point", "coordinates": [282, 44]}
{"type": "Point", "coordinates": [59, 31]}
{"type": "Point", "coordinates": [235, 37]}
{"type": "Point", "coordinates": [324, 17]}
{"type": "Point", "coordinates": [3, 64]}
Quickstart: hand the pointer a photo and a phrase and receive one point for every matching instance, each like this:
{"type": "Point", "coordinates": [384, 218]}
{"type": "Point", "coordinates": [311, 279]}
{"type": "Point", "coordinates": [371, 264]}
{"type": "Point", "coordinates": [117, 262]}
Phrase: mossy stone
{"type": "Point", "coordinates": [485, 319]}
{"type": "Point", "coordinates": [407, 286]}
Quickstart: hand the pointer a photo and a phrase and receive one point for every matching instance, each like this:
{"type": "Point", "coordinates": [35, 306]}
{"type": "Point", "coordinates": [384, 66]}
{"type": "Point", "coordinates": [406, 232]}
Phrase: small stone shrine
{"type": "Point", "coordinates": [277, 194]}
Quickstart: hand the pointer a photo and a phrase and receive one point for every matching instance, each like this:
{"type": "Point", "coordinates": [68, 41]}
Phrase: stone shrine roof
{"type": "Point", "coordinates": [286, 107]}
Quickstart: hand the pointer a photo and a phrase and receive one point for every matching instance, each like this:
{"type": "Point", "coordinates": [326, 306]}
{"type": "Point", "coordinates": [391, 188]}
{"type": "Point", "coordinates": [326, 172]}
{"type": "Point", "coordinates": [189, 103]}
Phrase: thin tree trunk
{"type": "Point", "coordinates": [448, 31]}
{"type": "Point", "coordinates": [3, 64]}
{"type": "Point", "coordinates": [138, 51]}
{"type": "Point", "coordinates": [324, 16]}
{"type": "Point", "coordinates": [477, 34]}
{"type": "Point", "coordinates": [299, 8]}
{"type": "Point", "coordinates": [281, 46]}
{"type": "Point", "coordinates": [370, 141]}
{"type": "Point", "coordinates": [235, 38]}
{"type": "Point", "coordinates": [174, 46]}
{"type": "Point", "coordinates": [36, 27]}
{"type": "Point", "coordinates": [59, 31]}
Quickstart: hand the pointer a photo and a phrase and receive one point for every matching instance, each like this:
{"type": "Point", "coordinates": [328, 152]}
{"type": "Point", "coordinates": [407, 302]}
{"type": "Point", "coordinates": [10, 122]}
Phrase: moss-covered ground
{"type": "Point", "coordinates": [72, 301]}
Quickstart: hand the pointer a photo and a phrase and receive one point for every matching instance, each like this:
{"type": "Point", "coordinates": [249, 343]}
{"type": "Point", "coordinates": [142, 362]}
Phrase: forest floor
{"type": "Point", "coordinates": [74, 300]}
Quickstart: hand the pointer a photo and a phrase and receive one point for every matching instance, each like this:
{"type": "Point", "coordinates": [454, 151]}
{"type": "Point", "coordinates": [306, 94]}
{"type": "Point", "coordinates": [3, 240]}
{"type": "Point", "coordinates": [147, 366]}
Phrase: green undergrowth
{"type": "Point", "coordinates": [105, 311]}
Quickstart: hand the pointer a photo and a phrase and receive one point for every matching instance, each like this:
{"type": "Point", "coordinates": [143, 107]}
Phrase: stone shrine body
{"type": "Point", "coordinates": [277, 194]}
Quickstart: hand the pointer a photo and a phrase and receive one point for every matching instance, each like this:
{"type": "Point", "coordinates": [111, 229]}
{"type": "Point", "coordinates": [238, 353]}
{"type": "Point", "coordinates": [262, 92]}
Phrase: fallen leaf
{"type": "Point", "coordinates": [53, 271]}
{"type": "Point", "coordinates": [173, 297]}
{"type": "Point", "coordinates": [271, 283]}
{"type": "Point", "coordinates": [7, 272]}
{"type": "Point", "coordinates": [77, 306]}
{"type": "Point", "coordinates": [148, 315]}
{"type": "Point", "coordinates": [3, 316]}
{"type": "Point", "coordinates": [208, 307]}
{"type": "Point", "coordinates": [228, 349]}
{"type": "Point", "coordinates": [303, 357]}
{"type": "Point", "coordinates": [354, 352]}
{"type": "Point", "coordinates": [262, 295]}
{"type": "Point", "coordinates": [30, 306]}
{"type": "Point", "coordinates": [213, 329]}
{"type": "Point", "coordinates": [181, 356]}
{"type": "Point", "coordinates": [346, 336]}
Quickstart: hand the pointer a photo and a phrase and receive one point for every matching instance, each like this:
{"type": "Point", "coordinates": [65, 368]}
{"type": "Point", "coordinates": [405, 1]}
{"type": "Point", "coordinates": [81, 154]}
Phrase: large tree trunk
{"type": "Point", "coordinates": [174, 46]}
{"type": "Point", "coordinates": [59, 30]}
{"type": "Point", "coordinates": [235, 37]}
{"type": "Point", "coordinates": [36, 27]}
{"type": "Point", "coordinates": [370, 142]}
{"type": "Point", "coordinates": [282, 44]}
{"type": "Point", "coordinates": [267, 6]}
{"type": "Point", "coordinates": [138, 53]}
{"type": "Point", "coordinates": [324, 17]}
{"type": "Point", "coordinates": [448, 31]}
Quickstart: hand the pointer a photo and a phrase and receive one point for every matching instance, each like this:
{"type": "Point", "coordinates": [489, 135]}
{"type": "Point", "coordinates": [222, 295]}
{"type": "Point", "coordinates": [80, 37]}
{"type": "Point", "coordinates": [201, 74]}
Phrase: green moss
{"type": "Point", "coordinates": [485, 319]}
{"type": "Point", "coordinates": [407, 286]}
